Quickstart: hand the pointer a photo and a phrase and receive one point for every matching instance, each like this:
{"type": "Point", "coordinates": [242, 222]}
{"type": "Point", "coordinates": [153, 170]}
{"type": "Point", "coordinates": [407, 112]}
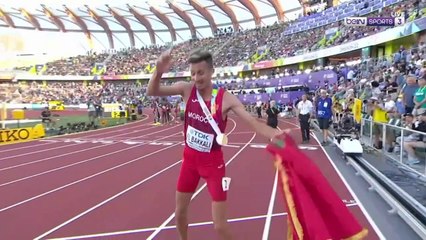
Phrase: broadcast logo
{"type": "Point", "coordinates": [374, 21]}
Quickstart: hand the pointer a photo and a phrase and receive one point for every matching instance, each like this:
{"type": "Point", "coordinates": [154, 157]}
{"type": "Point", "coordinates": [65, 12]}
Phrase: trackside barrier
{"type": "Point", "coordinates": [16, 135]}
{"type": "Point", "coordinates": [393, 137]}
{"type": "Point", "coordinates": [401, 203]}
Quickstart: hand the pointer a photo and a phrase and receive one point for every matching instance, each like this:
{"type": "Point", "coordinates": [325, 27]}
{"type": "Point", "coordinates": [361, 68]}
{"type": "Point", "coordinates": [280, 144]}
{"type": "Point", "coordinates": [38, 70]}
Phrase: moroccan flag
{"type": "Point", "coordinates": [315, 211]}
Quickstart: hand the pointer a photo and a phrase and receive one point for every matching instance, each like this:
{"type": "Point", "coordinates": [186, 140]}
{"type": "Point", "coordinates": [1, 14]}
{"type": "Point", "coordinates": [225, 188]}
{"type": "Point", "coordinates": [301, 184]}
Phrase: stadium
{"type": "Point", "coordinates": [119, 118]}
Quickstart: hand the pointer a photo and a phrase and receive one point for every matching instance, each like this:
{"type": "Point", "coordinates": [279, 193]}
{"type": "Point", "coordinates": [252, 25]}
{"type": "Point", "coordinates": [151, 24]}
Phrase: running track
{"type": "Point", "coordinates": [119, 183]}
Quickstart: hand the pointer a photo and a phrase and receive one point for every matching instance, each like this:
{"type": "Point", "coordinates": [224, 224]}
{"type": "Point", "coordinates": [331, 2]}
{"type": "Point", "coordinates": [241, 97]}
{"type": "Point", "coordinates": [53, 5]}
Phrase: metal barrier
{"type": "Point", "coordinates": [409, 209]}
{"type": "Point", "coordinates": [396, 140]}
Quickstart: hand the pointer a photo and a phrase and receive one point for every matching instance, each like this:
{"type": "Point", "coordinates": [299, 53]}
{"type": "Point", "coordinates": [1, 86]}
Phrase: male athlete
{"type": "Point", "coordinates": [203, 156]}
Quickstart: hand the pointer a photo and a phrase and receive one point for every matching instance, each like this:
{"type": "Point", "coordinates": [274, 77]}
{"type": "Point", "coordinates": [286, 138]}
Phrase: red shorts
{"type": "Point", "coordinates": [209, 166]}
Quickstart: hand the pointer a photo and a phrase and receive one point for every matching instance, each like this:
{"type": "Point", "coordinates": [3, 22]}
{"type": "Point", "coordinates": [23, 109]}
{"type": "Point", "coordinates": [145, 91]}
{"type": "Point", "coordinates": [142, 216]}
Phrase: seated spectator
{"type": "Point", "coordinates": [415, 140]}
{"type": "Point", "coordinates": [407, 123]}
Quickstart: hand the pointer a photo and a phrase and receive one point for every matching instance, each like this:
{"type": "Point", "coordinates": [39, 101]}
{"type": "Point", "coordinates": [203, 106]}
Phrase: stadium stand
{"type": "Point", "coordinates": [324, 29]}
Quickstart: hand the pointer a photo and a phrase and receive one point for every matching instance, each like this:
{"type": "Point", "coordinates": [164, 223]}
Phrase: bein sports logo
{"type": "Point", "coordinates": [374, 21]}
{"type": "Point", "coordinates": [355, 21]}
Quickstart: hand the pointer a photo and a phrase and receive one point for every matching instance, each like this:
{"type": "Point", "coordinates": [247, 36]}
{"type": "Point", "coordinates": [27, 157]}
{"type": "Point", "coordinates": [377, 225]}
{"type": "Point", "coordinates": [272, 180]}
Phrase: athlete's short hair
{"type": "Point", "coordinates": [199, 55]}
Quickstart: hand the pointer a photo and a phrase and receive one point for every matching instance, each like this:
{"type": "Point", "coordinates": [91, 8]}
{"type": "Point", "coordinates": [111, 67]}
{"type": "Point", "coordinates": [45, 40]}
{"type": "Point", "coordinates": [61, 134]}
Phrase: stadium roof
{"type": "Point", "coordinates": [149, 21]}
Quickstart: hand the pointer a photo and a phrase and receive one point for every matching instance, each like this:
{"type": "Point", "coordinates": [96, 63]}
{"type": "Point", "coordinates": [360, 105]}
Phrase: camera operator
{"type": "Point", "coordinates": [46, 118]}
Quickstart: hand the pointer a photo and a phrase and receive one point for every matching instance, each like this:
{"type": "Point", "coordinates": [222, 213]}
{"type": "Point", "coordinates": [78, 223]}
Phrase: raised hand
{"type": "Point", "coordinates": [164, 61]}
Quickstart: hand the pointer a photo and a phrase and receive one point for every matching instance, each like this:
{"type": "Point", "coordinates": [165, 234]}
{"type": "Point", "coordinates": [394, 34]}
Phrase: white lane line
{"type": "Point", "coordinates": [50, 140]}
{"type": "Point", "coordinates": [72, 164]}
{"type": "Point", "coordinates": [167, 221]}
{"type": "Point", "coordinates": [48, 158]}
{"type": "Point", "coordinates": [73, 152]}
{"type": "Point", "coordinates": [267, 226]}
{"type": "Point", "coordinates": [199, 224]}
{"type": "Point", "coordinates": [65, 146]}
{"type": "Point", "coordinates": [84, 179]}
{"type": "Point", "coordinates": [24, 147]}
{"type": "Point", "coordinates": [121, 193]}
{"type": "Point", "coordinates": [107, 200]}
{"type": "Point", "coordinates": [361, 206]}
{"type": "Point", "coordinates": [63, 224]}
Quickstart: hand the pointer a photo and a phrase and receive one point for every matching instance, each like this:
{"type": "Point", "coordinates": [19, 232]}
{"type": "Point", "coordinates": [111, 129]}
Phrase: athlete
{"type": "Point", "coordinates": [202, 155]}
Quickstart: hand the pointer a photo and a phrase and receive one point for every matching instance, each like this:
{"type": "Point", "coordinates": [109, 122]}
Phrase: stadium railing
{"type": "Point", "coordinates": [393, 135]}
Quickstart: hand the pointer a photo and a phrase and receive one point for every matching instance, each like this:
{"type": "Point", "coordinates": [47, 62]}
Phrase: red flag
{"type": "Point", "coordinates": [315, 211]}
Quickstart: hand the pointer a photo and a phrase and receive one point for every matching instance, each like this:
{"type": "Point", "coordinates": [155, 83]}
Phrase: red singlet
{"type": "Point", "coordinates": [203, 156]}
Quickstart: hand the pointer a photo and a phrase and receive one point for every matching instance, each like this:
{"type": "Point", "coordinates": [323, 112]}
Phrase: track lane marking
{"type": "Point", "coordinates": [267, 225]}
{"type": "Point", "coordinates": [83, 179]}
{"type": "Point", "coordinates": [348, 187]}
{"type": "Point", "coordinates": [126, 190]}
{"type": "Point", "coordinates": [198, 224]}
{"type": "Point", "coordinates": [105, 131]}
{"type": "Point", "coordinates": [70, 145]}
{"type": "Point", "coordinates": [74, 164]}
{"type": "Point", "coordinates": [167, 221]}
{"type": "Point", "coordinates": [73, 152]}
{"type": "Point", "coordinates": [107, 200]}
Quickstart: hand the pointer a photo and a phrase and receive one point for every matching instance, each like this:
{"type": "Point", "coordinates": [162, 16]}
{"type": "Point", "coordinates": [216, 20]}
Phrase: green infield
{"type": "Point", "coordinates": [75, 123]}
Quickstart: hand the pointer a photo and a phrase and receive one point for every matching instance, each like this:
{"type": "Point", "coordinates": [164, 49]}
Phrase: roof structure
{"type": "Point", "coordinates": [149, 22]}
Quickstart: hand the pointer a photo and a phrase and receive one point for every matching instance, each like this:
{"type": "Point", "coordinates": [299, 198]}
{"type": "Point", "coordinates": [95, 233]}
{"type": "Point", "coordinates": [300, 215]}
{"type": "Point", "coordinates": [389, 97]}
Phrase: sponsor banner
{"type": "Point", "coordinates": [312, 80]}
{"type": "Point", "coordinates": [253, 98]}
{"type": "Point", "coordinates": [286, 97]}
{"type": "Point", "coordinates": [16, 135]}
{"type": "Point", "coordinates": [119, 114]}
{"type": "Point", "coordinates": [263, 64]}
{"type": "Point", "coordinates": [56, 105]}
{"type": "Point", "coordinates": [279, 97]}
{"type": "Point", "coordinates": [111, 107]}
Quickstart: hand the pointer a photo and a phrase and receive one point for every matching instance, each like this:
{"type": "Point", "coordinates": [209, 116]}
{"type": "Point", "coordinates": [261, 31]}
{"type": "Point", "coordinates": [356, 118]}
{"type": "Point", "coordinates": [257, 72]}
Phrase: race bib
{"type": "Point", "coordinates": [199, 140]}
{"type": "Point", "coordinates": [226, 181]}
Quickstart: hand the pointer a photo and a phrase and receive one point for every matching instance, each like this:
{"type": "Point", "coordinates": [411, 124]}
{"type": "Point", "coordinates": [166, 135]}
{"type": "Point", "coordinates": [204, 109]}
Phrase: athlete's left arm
{"type": "Point", "coordinates": [234, 104]}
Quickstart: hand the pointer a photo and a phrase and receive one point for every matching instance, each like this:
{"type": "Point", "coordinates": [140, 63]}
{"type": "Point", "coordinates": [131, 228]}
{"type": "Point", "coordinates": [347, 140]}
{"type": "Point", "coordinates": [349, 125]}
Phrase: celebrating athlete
{"type": "Point", "coordinates": [206, 112]}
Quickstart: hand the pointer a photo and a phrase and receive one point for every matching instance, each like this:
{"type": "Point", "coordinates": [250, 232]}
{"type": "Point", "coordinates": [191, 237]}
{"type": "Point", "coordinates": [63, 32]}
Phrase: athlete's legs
{"type": "Point", "coordinates": [219, 211]}
{"type": "Point", "coordinates": [214, 175]}
{"type": "Point", "coordinates": [187, 183]}
{"type": "Point", "coordinates": [181, 212]}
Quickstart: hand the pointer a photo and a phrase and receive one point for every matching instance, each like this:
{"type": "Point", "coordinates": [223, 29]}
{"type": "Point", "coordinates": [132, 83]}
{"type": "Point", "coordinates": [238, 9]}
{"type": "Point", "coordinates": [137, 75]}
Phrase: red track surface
{"type": "Point", "coordinates": [116, 190]}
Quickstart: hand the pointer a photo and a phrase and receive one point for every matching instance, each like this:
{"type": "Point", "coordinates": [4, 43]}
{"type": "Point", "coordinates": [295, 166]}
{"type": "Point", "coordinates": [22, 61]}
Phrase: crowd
{"type": "Point", "coordinates": [72, 93]}
{"type": "Point", "coordinates": [232, 48]}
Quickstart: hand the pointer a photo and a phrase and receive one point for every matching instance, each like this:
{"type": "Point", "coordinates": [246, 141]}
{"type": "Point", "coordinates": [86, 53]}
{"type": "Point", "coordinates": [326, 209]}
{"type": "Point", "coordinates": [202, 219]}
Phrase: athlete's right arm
{"type": "Point", "coordinates": [154, 87]}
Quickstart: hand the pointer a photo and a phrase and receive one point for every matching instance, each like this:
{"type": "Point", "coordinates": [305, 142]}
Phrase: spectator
{"type": "Point", "coordinates": [416, 140]}
{"type": "Point", "coordinates": [272, 113]}
{"type": "Point", "coordinates": [408, 91]}
{"type": "Point", "coordinates": [304, 112]}
{"type": "Point", "coordinates": [324, 114]}
{"type": "Point", "coordinates": [420, 97]}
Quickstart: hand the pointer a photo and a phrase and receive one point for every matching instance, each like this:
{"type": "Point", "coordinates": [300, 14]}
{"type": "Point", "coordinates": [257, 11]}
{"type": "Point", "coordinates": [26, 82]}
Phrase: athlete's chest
{"type": "Point", "coordinates": [195, 111]}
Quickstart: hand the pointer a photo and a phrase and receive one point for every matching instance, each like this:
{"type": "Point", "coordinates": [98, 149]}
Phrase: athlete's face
{"type": "Point", "coordinates": [201, 74]}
